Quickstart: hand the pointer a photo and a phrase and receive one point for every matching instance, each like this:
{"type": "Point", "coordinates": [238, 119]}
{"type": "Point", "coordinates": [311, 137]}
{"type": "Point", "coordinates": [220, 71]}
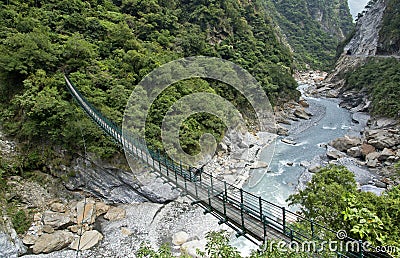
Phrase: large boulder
{"type": "Point", "coordinates": [48, 243]}
{"type": "Point", "coordinates": [354, 152]}
{"type": "Point", "coordinates": [345, 143]}
{"type": "Point", "coordinates": [180, 238]}
{"type": "Point", "coordinates": [301, 113]}
{"type": "Point", "coordinates": [367, 149]}
{"type": "Point", "coordinates": [385, 154]}
{"type": "Point", "coordinates": [56, 219]}
{"type": "Point", "coordinates": [115, 213]}
{"type": "Point", "coordinates": [87, 240]}
{"type": "Point", "coordinates": [314, 168]}
{"type": "Point", "coordinates": [334, 154]}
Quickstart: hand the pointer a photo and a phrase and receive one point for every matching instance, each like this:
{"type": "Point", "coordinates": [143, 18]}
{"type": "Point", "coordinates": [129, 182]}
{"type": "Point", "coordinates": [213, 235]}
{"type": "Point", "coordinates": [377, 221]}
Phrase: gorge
{"type": "Point", "coordinates": [51, 151]}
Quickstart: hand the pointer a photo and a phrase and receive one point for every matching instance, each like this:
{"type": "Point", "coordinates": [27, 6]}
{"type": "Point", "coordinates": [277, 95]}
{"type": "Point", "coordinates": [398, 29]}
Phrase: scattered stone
{"type": "Point", "coordinates": [48, 229]}
{"type": "Point", "coordinates": [367, 149]}
{"type": "Point", "coordinates": [314, 168]}
{"type": "Point", "coordinates": [86, 212]}
{"type": "Point", "coordinates": [58, 207]}
{"type": "Point", "coordinates": [372, 163]}
{"type": "Point", "coordinates": [37, 217]}
{"type": "Point", "coordinates": [48, 243]}
{"type": "Point", "coordinates": [29, 239]}
{"type": "Point", "coordinates": [87, 240]}
{"type": "Point", "coordinates": [354, 152]}
{"type": "Point", "coordinates": [74, 228]}
{"type": "Point", "coordinates": [223, 146]}
{"type": "Point", "coordinates": [280, 130]}
{"type": "Point", "coordinates": [334, 154]}
{"type": "Point", "coordinates": [115, 213]}
{"type": "Point", "coordinates": [290, 164]}
{"type": "Point", "coordinates": [301, 113]}
{"type": "Point", "coordinates": [126, 231]}
{"type": "Point", "coordinates": [345, 143]}
{"type": "Point", "coordinates": [180, 238]}
{"type": "Point", "coordinates": [304, 103]}
{"type": "Point", "coordinates": [56, 219]}
{"type": "Point", "coordinates": [259, 164]}
{"type": "Point", "coordinates": [80, 229]}
{"type": "Point", "coordinates": [288, 141]}
{"type": "Point", "coordinates": [305, 164]}
{"type": "Point", "coordinates": [372, 156]}
{"type": "Point", "coordinates": [101, 208]}
{"type": "Point", "coordinates": [385, 154]}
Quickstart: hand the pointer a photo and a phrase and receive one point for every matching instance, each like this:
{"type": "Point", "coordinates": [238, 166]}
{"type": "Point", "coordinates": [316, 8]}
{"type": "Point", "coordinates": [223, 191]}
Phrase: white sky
{"type": "Point", "coordinates": [356, 6]}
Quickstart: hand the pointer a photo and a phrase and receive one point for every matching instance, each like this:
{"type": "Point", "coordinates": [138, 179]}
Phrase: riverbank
{"type": "Point", "coordinates": [374, 148]}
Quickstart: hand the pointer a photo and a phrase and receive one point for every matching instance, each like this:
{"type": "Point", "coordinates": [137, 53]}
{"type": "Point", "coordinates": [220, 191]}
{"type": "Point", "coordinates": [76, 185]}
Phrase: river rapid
{"type": "Point", "coordinates": [288, 170]}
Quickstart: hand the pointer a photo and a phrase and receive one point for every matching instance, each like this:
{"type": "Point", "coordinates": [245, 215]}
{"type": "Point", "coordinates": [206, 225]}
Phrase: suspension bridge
{"type": "Point", "coordinates": [249, 215]}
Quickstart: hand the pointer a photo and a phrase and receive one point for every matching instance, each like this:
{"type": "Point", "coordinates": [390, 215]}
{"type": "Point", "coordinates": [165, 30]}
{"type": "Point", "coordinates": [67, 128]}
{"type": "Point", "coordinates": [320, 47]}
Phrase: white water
{"type": "Point", "coordinates": [280, 180]}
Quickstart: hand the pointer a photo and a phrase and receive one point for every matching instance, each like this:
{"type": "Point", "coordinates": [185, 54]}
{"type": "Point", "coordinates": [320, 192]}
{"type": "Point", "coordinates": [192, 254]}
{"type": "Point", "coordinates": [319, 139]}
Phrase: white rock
{"type": "Point", "coordinates": [58, 207]}
{"type": "Point", "coordinates": [126, 231]}
{"type": "Point", "coordinates": [180, 238]}
{"type": "Point", "coordinates": [56, 219]}
{"type": "Point", "coordinates": [190, 248]}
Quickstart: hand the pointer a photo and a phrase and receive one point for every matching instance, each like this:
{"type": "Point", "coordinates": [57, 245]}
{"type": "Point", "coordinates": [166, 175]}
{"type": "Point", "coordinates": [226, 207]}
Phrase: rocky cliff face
{"type": "Point", "coordinates": [366, 37]}
{"type": "Point", "coordinates": [367, 41]}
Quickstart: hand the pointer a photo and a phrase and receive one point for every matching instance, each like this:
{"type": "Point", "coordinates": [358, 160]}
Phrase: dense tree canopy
{"type": "Point", "coordinates": [381, 79]}
{"type": "Point", "coordinates": [107, 47]}
{"type": "Point", "coordinates": [332, 198]}
{"type": "Point", "coordinates": [313, 29]}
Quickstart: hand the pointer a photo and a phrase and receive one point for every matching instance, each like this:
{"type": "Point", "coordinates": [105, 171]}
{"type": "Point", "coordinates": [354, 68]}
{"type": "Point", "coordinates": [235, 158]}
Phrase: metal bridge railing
{"type": "Point", "coordinates": [250, 215]}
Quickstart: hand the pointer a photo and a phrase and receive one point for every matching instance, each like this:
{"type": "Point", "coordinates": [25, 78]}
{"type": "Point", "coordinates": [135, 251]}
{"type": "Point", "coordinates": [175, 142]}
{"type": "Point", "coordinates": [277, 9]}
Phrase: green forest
{"type": "Point", "coordinates": [107, 47]}
{"type": "Point", "coordinates": [389, 35]}
{"type": "Point", "coordinates": [313, 29]}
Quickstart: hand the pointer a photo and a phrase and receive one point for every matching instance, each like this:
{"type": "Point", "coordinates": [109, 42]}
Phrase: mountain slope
{"type": "Point", "coordinates": [313, 28]}
{"type": "Point", "coordinates": [108, 47]}
{"type": "Point", "coordinates": [369, 65]}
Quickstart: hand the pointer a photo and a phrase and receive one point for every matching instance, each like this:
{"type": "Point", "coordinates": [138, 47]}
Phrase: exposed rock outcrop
{"type": "Point", "coordinates": [365, 40]}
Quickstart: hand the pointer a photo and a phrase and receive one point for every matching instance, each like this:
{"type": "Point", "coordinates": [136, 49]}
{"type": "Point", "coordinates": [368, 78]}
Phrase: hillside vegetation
{"type": "Point", "coordinates": [389, 36]}
{"type": "Point", "coordinates": [313, 29]}
{"type": "Point", "coordinates": [381, 79]}
{"type": "Point", "coordinates": [107, 47]}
